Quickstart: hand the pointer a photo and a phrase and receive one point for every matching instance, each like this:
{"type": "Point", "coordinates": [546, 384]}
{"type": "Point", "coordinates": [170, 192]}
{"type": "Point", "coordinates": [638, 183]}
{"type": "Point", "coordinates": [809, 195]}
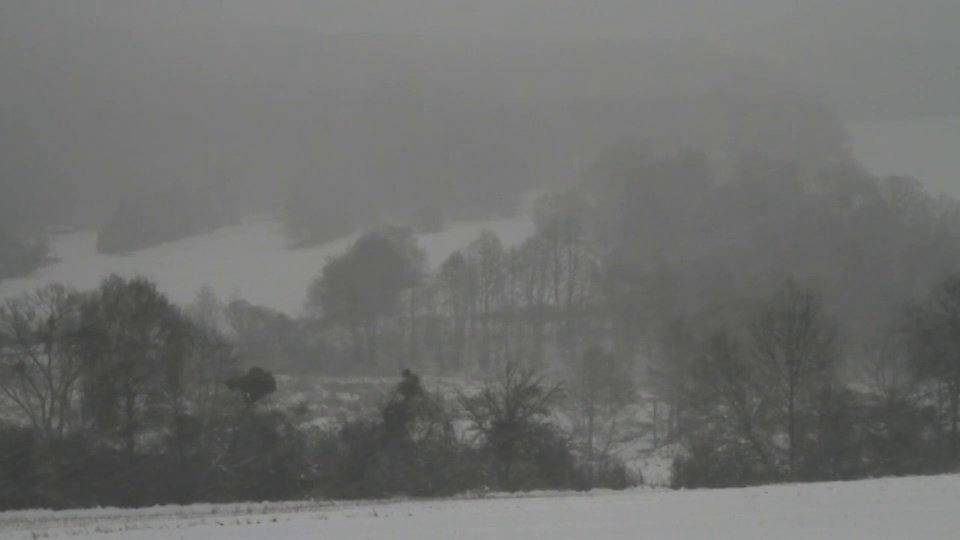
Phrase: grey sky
{"type": "Point", "coordinates": [106, 91]}
{"type": "Point", "coordinates": [734, 22]}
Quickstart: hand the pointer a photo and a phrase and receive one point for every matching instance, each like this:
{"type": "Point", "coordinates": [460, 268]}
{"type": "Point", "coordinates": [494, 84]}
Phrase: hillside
{"type": "Point", "coordinates": [251, 260]}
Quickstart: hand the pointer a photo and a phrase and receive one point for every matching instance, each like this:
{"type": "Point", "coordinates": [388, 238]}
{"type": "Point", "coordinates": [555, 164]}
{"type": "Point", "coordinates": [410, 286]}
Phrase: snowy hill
{"type": "Point", "coordinates": [918, 508]}
{"type": "Point", "coordinates": [251, 260]}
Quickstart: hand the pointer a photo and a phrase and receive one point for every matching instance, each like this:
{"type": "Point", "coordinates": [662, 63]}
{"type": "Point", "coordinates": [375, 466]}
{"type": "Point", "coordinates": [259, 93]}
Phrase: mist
{"type": "Point", "coordinates": [368, 99]}
{"type": "Point", "coordinates": [339, 250]}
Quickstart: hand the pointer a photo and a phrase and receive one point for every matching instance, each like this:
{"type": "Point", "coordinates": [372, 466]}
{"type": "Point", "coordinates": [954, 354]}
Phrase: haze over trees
{"type": "Point", "coordinates": [724, 304]}
{"type": "Point", "coordinates": [170, 211]}
{"type": "Point", "coordinates": [118, 98]}
{"type": "Point", "coordinates": [711, 272]}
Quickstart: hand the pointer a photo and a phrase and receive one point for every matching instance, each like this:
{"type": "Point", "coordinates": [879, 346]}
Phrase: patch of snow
{"type": "Point", "coordinates": [348, 397]}
{"type": "Point", "coordinates": [876, 510]}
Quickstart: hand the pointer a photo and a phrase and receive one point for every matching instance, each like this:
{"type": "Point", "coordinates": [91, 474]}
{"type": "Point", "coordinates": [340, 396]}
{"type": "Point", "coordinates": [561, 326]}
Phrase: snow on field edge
{"type": "Point", "coordinates": [915, 508]}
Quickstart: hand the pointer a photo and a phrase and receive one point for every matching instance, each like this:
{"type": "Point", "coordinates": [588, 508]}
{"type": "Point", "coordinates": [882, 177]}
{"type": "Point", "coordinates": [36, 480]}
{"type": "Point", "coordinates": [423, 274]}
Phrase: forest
{"type": "Point", "coordinates": [773, 319]}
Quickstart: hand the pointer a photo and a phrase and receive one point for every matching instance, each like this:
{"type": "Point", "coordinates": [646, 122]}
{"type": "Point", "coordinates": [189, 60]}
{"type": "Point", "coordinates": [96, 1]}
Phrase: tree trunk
{"type": "Point", "coordinates": [793, 382]}
{"type": "Point", "coordinates": [372, 344]}
{"type": "Point", "coordinates": [656, 422]}
{"type": "Point", "coordinates": [792, 432]}
{"type": "Point", "coordinates": [954, 389]}
{"type": "Point", "coordinates": [130, 429]}
{"type": "Point", "coordinates": [590, 463]}
{"type": "Point", "coordinates": [459, 342]}
{"type": "Point", "coordinates": [357, 348]}
{"type": "Point", "coordinates": [413, 354]}
{"type": "Point", "coordinates": [590, 426]}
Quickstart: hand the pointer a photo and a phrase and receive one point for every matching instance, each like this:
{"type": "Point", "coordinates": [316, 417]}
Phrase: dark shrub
{"type": "Point", "coordinates": [712, 464]}
{"type": "Point", "coordinates": [412, 450]}
{"type": "Point", "coordinates": [606, 473]}
{"type": "Point", "coordinates": [19, 474]}
{"type": "Point", "coordinates": [510, 417]}
{"type": "Point", "coordinates": [255, 385]}
{"type": "Point", "coordinates": [261, 457]}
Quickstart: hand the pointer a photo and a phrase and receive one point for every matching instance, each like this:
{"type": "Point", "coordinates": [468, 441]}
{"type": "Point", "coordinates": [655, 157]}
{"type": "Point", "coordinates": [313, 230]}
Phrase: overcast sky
{"type": "Point", "coordinates": [94, 90]}
{"type": "Point", "coordinates": [729, 21]}
{"type": "Point", "coordinates": [738, 22]}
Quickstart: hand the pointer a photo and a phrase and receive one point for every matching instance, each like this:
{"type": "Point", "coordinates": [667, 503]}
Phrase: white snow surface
{"type": "Point", "coordinates": [250, 260]}
{"type": "Point", "coordinates": [905, 508]}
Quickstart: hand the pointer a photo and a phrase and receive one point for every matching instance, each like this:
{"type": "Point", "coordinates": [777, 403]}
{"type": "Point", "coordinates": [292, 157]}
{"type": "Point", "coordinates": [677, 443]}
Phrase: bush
{"type": "Point", "coordinates": [835, 449]}
{"type": "Point", "coordinates": [260, 457]}
{"type": "Point", "coordinates": [606, 473]}
{"type": "Point", "coordinates": [81, 474]}
{"type": "Point", "coordinates": [544, 461]}
{"type": "Point", "coordinates": [523, 451]}
{"type": "Point", "coordinates": [19, 475]}
{"type": "Point", "coordinates": [411, 450]}
{"type": "Point", "coordinates": [253, 386]}
{"type": "Point", "coordinates": [712, 464]}
{"type": "Point", "coordinates": [896, 441]}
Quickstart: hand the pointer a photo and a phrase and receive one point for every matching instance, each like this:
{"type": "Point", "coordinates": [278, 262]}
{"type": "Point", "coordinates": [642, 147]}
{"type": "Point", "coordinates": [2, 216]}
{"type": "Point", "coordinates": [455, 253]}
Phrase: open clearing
{"type": "Point", "coordinates": [906, 508]}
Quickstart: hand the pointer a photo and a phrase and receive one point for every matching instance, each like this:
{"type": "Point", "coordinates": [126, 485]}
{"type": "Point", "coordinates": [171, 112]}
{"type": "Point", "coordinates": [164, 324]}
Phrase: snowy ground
{"type": "Point", "coordinates": [250, 260]}
{"type": "Point", "coordinates": [909, 508]}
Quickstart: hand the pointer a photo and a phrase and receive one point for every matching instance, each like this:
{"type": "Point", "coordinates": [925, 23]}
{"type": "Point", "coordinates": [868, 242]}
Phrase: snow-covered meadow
{"type": "Point", "coordinates": [905, 508]}
{"type": "Point", "coordinates": [250, 260]}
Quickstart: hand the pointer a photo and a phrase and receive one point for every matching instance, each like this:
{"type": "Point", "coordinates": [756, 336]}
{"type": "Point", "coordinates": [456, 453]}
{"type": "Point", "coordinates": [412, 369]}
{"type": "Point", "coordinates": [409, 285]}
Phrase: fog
{"type": "Point", "coordinates": [308, 250]}
{"type": "Point", "coordinates": [381, 102]}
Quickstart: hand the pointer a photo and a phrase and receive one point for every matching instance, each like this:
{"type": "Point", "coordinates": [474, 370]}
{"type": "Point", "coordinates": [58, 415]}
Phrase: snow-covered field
{"type": "Point", "coordinates": [250, 260]}
{"type": "Point", "coordinates": [907, 508]}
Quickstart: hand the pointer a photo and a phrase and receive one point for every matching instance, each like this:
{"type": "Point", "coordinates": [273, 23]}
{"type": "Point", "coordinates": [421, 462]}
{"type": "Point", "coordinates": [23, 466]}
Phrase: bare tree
{"type": "Point", "coordinates": [213, 358]}
{"type": "Point", "coordinates": [796, 348]}
{"type": "Point", "coordinates": [570, 261]}
{"type": "Point", "coordinates": [507, 412]}
{"type": "Point", "coordinates": [39, 365]}
{"type": "Point", "coordinates": [668, 374]}
{"type": "Point", "coordinates": [730, 399]}
{"type": "Point", "coordinates": [887, 370]}
{"type": "Point", "coordinates": [457, 287]}
{"type": "Point", "coordinates": [486, 255]}
{"type": "Point", "coordinates": [602, 388]}
{"type": "Point", "coordinates": [933, 335]}
{"type": "Point", "coordinates": [134, 345]}
{"type": "Point", "coordinates": [527, 302]}
{"type": "Point", "coordinates": [897, 396]}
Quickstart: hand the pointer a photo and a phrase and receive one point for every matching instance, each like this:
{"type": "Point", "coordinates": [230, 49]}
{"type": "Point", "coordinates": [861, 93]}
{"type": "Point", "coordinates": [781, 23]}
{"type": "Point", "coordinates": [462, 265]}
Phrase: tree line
{"type": "Point", "coordinates": [118, 397]}
{"type": "Point", "coordinates": [778, 322]}
{"type": "Point", "coordinates": [784, 320]}
{"type": "Point", "coordinates": [167, 212]}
